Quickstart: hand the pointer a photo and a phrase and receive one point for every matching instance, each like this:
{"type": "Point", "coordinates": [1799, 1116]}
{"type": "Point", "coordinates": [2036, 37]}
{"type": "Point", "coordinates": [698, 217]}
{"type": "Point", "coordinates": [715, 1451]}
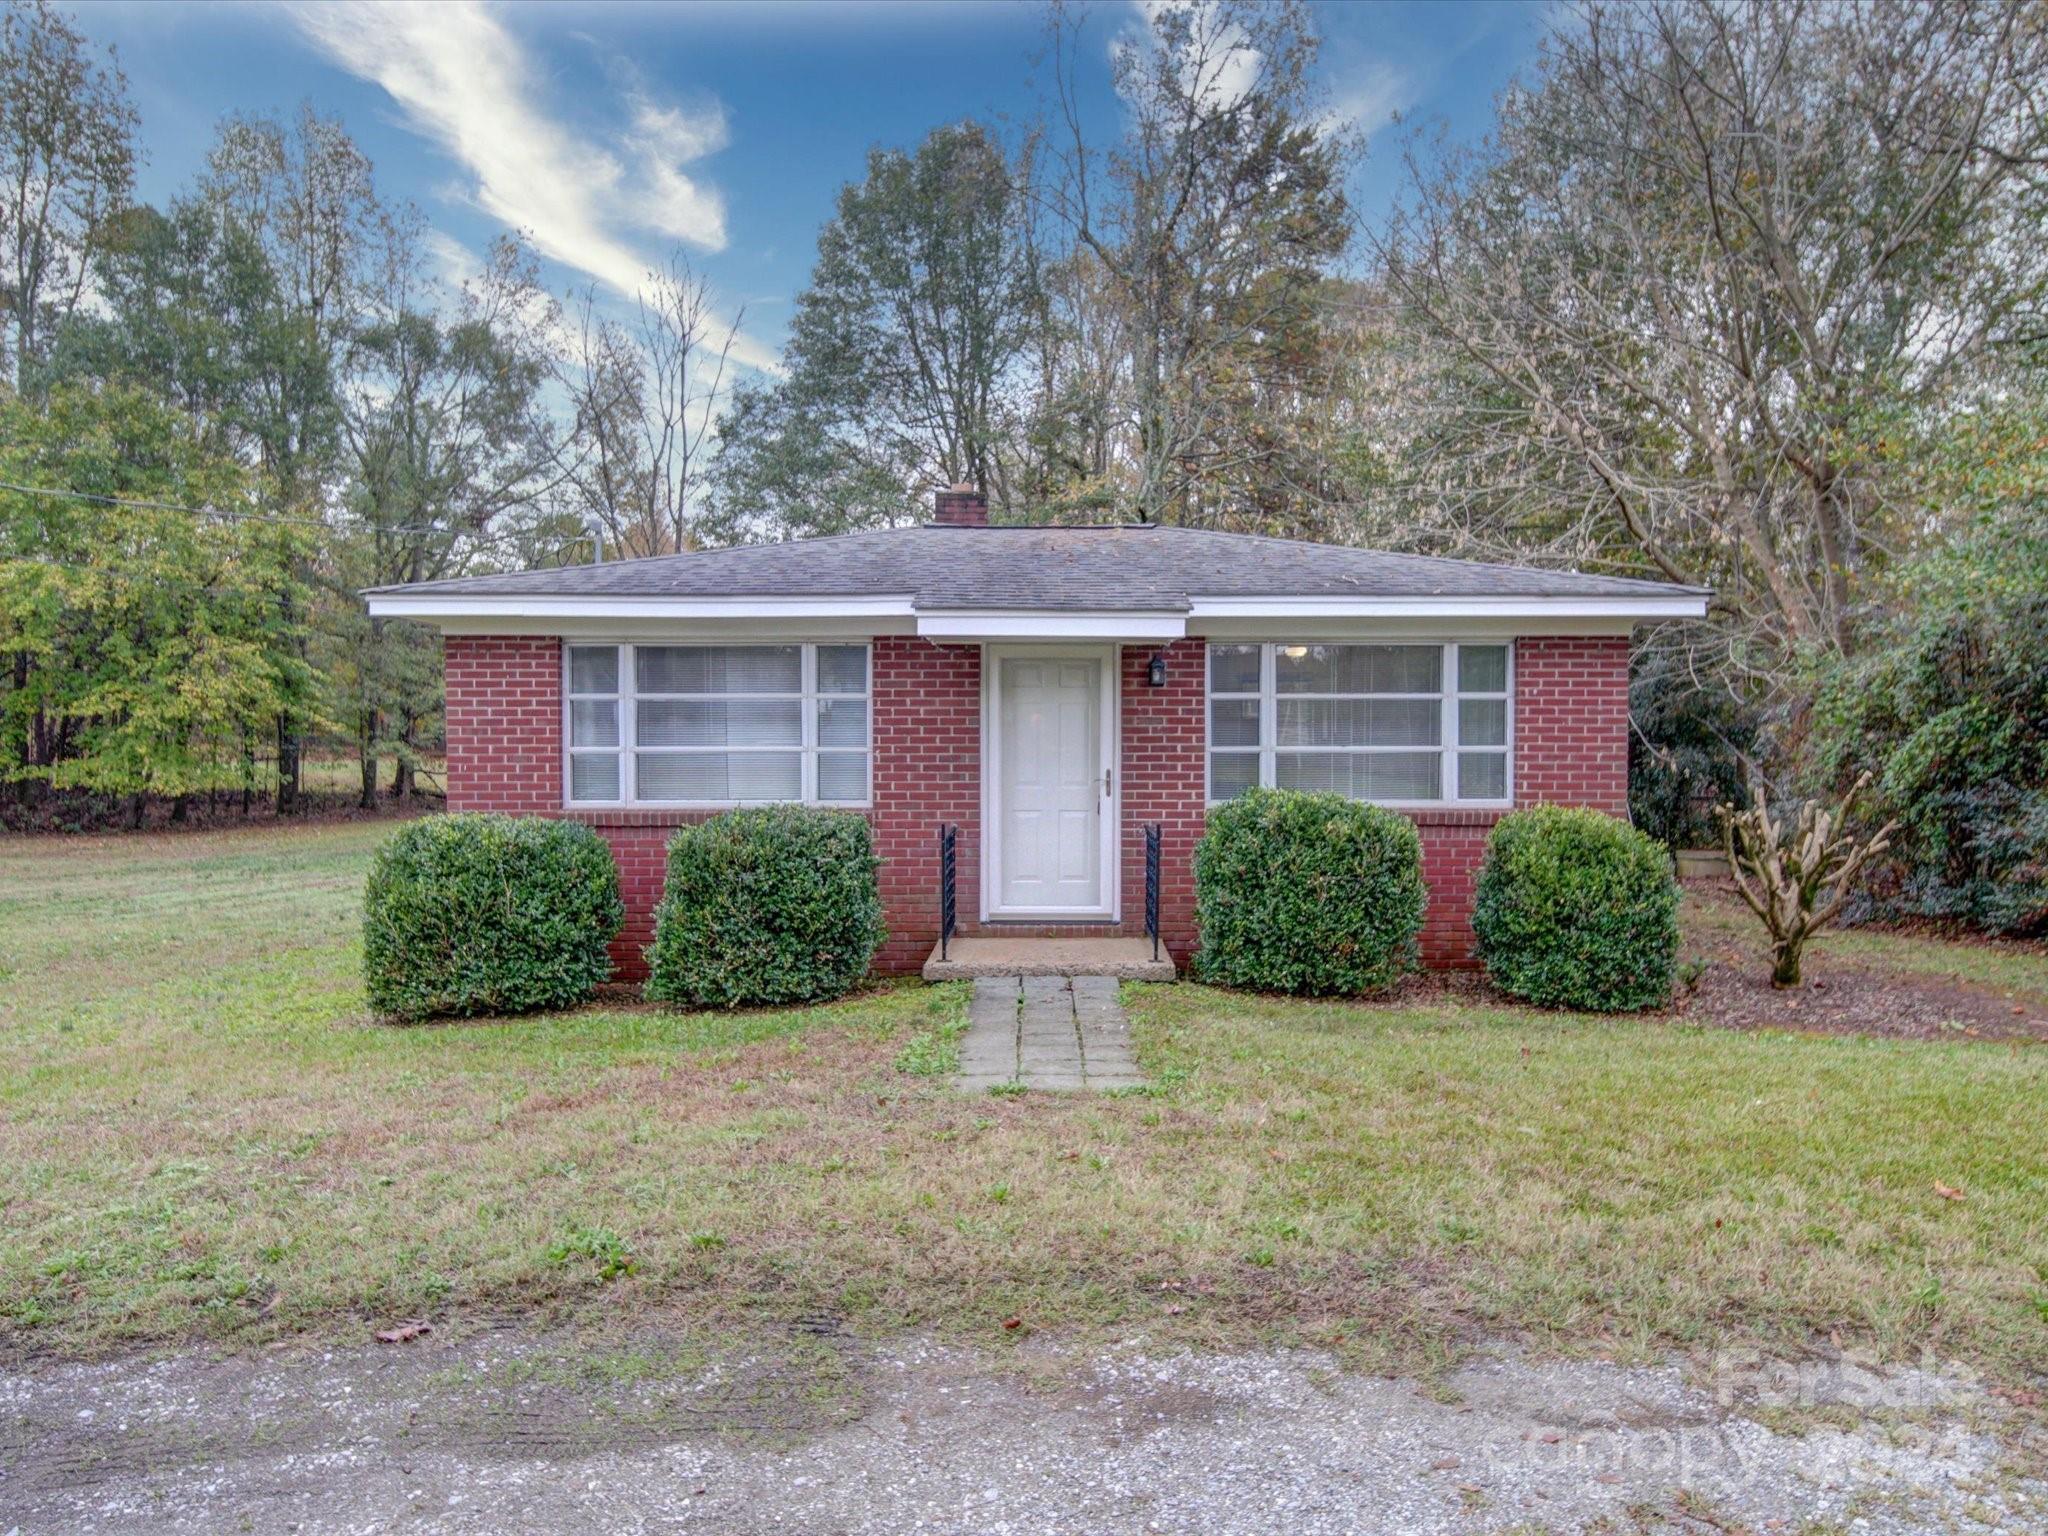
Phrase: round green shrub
{"type": "Point", "coordinates": [777, 905]}
{"type": "Point", "coordinates": [1307, 893]}
{"type": "Point", "coordinates": [1577, 910]}
{"type": "Point", "coordinates": [488, 914]}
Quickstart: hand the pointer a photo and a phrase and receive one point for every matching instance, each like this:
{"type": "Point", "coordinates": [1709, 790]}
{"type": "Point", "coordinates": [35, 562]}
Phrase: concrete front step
{"type": "Point", "coordinates": [1127, 959]}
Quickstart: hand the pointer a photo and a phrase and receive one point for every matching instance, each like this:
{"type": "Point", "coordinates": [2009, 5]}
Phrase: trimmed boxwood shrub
{"type": "Point", "coordinates": [1577, 910]}
{"type": "Point", "coordinates": [488, 914]}
{"type": "Point", "coordinates": [1309, 893]}
{"type": "Point", "coordinates": [776, 905]}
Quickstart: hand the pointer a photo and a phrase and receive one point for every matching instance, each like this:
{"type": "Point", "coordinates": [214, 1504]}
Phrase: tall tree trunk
{"type": "Point", "coordinates": [181, 807]}
{"type": "Point", "coordinates": [287, 766]}
{"type": "Point", "coordinates": [366, 746]}
{"type": "Point", "coordinates": [402, 786]}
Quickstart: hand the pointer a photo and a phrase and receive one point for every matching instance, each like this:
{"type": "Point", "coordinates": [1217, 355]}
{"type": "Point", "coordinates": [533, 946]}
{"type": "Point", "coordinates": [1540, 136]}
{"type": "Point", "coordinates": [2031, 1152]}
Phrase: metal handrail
{"type": "Point", "coordinates": [949, 905]}
{"type": "Point", "coordinates": [1153, 839]}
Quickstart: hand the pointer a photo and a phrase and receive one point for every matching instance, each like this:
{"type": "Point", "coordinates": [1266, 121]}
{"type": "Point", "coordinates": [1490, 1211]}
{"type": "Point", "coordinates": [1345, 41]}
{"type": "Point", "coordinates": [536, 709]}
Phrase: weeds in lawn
{"type": "Point", "coordinates": [604, 1248]}
{"type": "Point", "coordinates": [935, 1050]}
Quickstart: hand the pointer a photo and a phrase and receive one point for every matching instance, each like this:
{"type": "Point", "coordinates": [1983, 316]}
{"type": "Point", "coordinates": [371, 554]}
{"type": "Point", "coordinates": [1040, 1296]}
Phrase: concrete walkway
{"type": "Point", "coordinates": [1047, 1032]}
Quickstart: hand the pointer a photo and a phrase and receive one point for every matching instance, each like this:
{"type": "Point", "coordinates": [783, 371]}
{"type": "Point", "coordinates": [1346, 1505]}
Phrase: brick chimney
{"type": "Point", "coordinates": [961, 507]}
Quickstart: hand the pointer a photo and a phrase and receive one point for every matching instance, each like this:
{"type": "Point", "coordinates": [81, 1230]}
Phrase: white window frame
{"type": "Point", "coordinates": [1448, 745]}
{"type": "Point", "coordinates": [628, 696]}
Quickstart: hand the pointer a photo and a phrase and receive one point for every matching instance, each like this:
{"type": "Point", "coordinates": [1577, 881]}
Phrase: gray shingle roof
{"type": "Point", "coordinates": [1134, 568]}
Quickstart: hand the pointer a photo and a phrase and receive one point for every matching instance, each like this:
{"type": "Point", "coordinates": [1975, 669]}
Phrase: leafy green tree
{"type": "Point", "coordinates": [900, 353]}
{"type": "Point", "coordinates": [1947, 703]}
{"type": "Point", "coordinates": [153, 644]}
{"type": "Point", "coordinates": [191, 309]}
{"type": "Point", "coordinates": [447, 431]}
{"type": "Point", "coordinates": [306, 192]}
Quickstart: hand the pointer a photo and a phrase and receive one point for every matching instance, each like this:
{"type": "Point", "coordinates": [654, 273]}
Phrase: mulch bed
{"type": "Point", "coordinates": [1841, 996]}
{"type": "Point", "coordinates": [1844, 996]}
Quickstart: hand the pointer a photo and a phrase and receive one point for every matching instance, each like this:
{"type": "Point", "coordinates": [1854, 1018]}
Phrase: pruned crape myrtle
{"type": "Point", "coordinates": [1795, 872]}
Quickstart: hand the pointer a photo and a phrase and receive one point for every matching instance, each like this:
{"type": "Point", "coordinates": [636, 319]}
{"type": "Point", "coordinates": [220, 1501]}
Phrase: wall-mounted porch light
{"type": "Point", "coordinates": [1155, 674]}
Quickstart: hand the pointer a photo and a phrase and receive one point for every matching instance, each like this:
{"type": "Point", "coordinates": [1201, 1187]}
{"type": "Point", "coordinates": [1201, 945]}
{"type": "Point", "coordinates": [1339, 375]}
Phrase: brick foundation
{"type": "Point", "coordinates": [504, 714]}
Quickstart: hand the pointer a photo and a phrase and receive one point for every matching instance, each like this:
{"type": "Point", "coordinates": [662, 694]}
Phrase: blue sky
{"type": "Point", "coordinates": [614, 134]}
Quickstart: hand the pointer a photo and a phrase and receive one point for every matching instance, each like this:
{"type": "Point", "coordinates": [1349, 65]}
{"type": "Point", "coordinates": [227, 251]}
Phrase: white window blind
{"type": "Point", "coordinates": [663, 725]}
{"type": "Point", "coordinates": [1400, 724]}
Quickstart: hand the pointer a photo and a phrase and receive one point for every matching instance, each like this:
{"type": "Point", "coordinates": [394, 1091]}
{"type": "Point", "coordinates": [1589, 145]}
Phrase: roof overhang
{"type": "Point", "coordinates": [1649, 605]}
{"type": "Point", "coordinates": [1050, 624]}
{"type": "Point", "coordinates": [505, 613]}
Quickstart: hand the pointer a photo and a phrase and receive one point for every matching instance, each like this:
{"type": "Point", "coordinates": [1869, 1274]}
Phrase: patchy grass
{"type": "Point", "coordinates": [203, 1134]}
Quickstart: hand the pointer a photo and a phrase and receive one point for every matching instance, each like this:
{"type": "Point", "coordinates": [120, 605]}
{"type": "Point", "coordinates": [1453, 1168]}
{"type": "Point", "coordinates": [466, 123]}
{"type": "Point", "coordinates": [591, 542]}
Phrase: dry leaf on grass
{"type": "Point", "coordinates": [1947, 1191]}
{"type": "Point", "coordinates": [405, 1332]}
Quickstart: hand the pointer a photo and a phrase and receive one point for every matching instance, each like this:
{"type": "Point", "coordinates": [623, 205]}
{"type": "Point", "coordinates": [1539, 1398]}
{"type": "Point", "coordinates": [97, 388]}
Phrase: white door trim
{"type": "Point", "coordinates": [1108, 735]}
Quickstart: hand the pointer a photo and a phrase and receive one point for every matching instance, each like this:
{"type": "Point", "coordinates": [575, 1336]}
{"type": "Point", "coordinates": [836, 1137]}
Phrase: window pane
{"type": "Point", "coordinates": [1482, 775]}
{"type": "Point", "coordinates": [842, 722]}
{"type": "Point", "coordinates": [1359, 722]}
{"type": "Point", "coordinates": [719, 668]}
{"type": "Point", "coordinates": [594, 723]}
{"type": "Point", "coordinates": [1359, 669]}
{"type": "Point", "coordinates": [1364, 775]}
{"type": "Point", "coordinates": [594, 776]}
{"type": "Point", "coordinates": [1233, 669]}
{"type": "Point", "coordinates": [1232, 773]}
{"type": "Point", "coordinates": [843, 776]}
{"type": "Point", "coordinates": [842, 669]}
{"type": "Point", "coordinates": [1482, 669]}
{"type": "Point", "coordinates": [1483, 722]}
{"type": "Point", "coordinates": [1234, 722]}
{"type": "Point", "coordinates": [719, 775]}
{"type": "Point", "coordinates": [719, 723]}
{"type": "Point", "coordinates": [593, 669]}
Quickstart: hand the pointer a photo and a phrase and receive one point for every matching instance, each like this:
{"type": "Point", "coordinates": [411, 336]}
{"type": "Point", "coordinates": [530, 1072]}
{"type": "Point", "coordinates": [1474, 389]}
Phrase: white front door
{"type": "Point", "coordinates": [1052, 785]}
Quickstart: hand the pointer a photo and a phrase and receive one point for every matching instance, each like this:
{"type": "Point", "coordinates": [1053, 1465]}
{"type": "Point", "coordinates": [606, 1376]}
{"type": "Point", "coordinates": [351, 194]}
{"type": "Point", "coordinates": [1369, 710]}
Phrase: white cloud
{"type": "Point", "coordinates": [1369, 94]}
{"type": "Point", "coordinates": [1228, 66]}
{"type": "Point", "coordinates": [463, 81]}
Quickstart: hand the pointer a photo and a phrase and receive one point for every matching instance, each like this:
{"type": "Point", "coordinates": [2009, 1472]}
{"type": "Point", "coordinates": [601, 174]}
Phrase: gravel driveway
{"type": "Point", "coordinates": [510, 1431]}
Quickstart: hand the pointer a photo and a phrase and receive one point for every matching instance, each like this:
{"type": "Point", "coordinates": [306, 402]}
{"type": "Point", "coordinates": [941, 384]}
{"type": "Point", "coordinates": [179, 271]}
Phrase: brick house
{"type": "Point", "coordinates": [1047, 692]}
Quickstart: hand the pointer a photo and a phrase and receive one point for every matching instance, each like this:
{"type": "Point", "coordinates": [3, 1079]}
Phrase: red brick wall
{"type": "Point", "coordinates": [505, 754]}
{"type": "Point", "coordinates": [1571, 722]}
{"type": "Point", "coordinates": [1164, 738]}
{"type": "Point", "coordinates": [927, 702]}
{"type": "Point", "coordinates": [504, 723]}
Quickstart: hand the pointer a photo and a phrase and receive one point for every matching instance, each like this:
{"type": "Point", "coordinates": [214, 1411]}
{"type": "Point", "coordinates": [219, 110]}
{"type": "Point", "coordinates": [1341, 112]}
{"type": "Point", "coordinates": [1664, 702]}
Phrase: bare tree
{"type": "Point", "coordinates": [644, 399]}
{"type": "Point", "coordinates": [67, 164]}
{"type": "Point", "coordinates": [1215, 218]}
{"type": "Point", "coordinates": [1712, 256]}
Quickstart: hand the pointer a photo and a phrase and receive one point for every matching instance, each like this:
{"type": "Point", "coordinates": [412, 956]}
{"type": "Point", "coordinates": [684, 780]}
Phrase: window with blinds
{"type": "Point", "coordinates": [1398, 724]}
{"type": "Point", "coordinates": [711, 725]}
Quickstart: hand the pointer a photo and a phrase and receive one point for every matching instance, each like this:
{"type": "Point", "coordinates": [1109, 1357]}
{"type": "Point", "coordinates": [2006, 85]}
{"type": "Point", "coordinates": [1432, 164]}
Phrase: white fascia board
{"type": "Point", "coordinates": [448, 607]}
{"type": "Point", "coordinates": [1681, 605]}
{"type": "Point", "coordinates": [1043, 624]}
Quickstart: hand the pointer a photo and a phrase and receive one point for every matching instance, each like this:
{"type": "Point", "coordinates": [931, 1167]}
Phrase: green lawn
{"type": "Point", "coordinates": [202, 1134]}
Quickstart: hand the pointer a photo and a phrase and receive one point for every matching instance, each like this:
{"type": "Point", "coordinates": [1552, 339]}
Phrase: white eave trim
{"type": "Point", "coordinates": [1030, 624]}
{"type": "Point", "coordinates": [427, 605]}
{"type": "Point", "coordinates": [1050, 624]}
{"type": "Point", "coordinates": [1681, 605]}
